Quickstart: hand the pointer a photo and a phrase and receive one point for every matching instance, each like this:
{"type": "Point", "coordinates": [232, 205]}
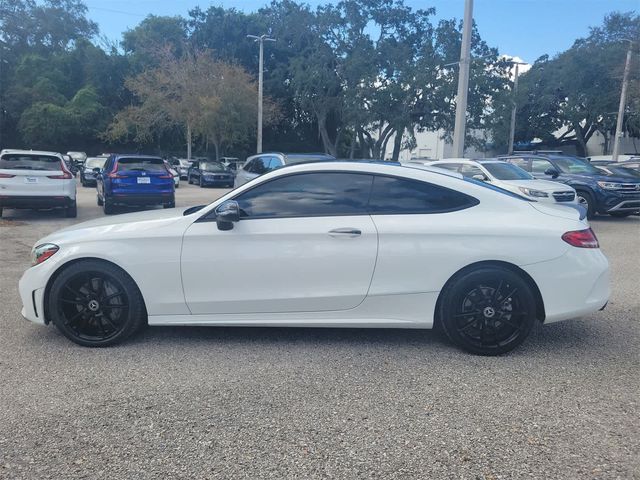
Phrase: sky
{"type": "Point", "coordinates": [527, 29]}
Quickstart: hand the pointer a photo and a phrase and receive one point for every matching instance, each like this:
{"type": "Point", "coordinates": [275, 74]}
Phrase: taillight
{"type": "Point", "coordinates": [165, 176]}
{"type": "Point", "coordinates": [581, 238]}
{"type": "Point", "coordinates": [116, 175]}
{"type": "Point", "coordinates": [64, 176]}
{"type": "Point", "coordinates": [6, 175]}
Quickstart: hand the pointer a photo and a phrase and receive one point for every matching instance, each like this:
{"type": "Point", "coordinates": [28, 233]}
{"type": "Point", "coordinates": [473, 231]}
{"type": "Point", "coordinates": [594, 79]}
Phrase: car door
{"type": "Point", "coordinates": [304, 243]}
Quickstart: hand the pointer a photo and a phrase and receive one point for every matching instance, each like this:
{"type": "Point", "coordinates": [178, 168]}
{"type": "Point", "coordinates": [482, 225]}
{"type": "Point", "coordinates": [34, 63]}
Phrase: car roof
{"type": "Point", "coordinates": [135, 155]}
{"type": "Point", "coordinates": [31, 152]}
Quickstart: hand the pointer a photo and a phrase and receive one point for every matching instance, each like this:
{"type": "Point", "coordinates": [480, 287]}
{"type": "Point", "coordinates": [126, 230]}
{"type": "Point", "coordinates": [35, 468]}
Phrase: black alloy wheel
{"type": "Point", "coordinates": [488, 311]}
{"type": "Point", "coordinates": [95, 304]}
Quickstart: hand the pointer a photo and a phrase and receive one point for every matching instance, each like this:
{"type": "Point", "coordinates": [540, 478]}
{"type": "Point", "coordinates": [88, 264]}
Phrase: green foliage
{"type": "Point", "coordinates": [577, 92]}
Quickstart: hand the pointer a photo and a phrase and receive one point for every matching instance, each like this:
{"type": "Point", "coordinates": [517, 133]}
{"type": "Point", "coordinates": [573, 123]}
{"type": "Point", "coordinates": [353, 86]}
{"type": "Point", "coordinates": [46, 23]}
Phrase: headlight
{"type": "Point", "coordinates": [42, 252]}
{"type": "Point", "coordinates": [534, 193]}
{"type": "Point", "coordinates": [611, 185]}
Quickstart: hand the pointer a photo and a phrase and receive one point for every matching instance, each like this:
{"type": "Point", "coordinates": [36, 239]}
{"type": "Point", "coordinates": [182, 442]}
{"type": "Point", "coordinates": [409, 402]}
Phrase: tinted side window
{"type": "Point", "coordinates": [249, 166]}
{"type": "Point", "coordinates": [396, 196]}
{"type": "Point", "coordinates": [471, 170]}
{"type": "Point", "coordinates": [309, 194]}
{"type": "Point", "coordinates": [520, 162]}
{"type": "Point", "coordinates": [539, 165]}
{"type": "Point", "coordinates": [260, 165]}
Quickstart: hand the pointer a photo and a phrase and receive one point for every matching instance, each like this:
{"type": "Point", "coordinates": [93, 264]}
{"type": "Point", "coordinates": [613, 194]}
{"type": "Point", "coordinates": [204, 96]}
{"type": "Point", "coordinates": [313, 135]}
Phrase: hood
{"type": "Point", "coordinates": [118, 224]}
{"type": "Point", "coordinates": [542, 185]}
{"type": "Point", "coordinates": [604, 177]}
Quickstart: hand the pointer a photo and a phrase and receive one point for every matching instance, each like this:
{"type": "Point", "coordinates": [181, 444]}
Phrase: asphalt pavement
{"type": "Point", "coordinates": [318, 403]}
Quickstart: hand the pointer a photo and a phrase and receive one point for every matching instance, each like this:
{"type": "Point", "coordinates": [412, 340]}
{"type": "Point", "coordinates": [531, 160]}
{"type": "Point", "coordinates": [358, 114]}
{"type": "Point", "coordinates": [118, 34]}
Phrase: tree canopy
{"type": "Point", "coordinates": [354, 78]}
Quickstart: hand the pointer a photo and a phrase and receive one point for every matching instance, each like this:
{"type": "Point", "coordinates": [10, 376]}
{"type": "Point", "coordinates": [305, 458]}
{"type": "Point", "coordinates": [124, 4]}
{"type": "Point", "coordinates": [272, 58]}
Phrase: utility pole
{"type": "Point", "coordinates": [514, 107]}
{"type": "Point", "coordinates": [621, 107]}
{"type": "Point", "coordinates": [261, 39]}
{"type": "Point", "coordinates": [463, 82]}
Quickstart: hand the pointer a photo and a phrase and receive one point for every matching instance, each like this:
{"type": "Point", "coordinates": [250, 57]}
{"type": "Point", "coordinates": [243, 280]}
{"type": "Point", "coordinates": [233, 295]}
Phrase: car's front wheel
{"type": "Point", "coordinates": [586, 200]}
{"type": "Point", "coordinates": [488, 310]}
{"type": "Point", "coordinates": [95, 304]}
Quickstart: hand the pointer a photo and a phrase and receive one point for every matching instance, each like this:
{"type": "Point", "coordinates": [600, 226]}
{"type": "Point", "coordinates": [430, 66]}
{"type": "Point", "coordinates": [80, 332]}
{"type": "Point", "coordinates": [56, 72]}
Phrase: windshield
{"type": "Point", "coordinates": [142, 164]}
{"type": "Point", "coordinates": [95, 162]}
{"type": "Point", "coordinates": [507, 171]}
{"type": "Point", "coordinates": [29, 162]}
{"type": "Point", "coordinates": [212, 167]}
{"type": "Point", "coordinates": [574, 165]}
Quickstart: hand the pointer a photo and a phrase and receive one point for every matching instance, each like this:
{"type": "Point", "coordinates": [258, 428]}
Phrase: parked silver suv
{"type": "Point", "coordinates": [265, 162]}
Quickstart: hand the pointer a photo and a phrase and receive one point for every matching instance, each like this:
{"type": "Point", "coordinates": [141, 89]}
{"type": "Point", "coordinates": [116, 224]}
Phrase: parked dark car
{"type": "Point", "coordinates": [600, 192]}
{"type": "Point", "coordinates": [72, 166]}
{"type": "Point", "coordinates": [87, 172]}
{"type": "Point", "coordinates": [134, 180]}
{"type": "Point", "coordinates": [209, 173]}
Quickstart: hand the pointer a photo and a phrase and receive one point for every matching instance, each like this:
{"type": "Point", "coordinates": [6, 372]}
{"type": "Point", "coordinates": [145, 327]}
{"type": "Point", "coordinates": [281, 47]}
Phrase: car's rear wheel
{"type": "Point", "coordinates": [487, 311]}
{"type": "Point", "coordinates": [99, 200]}
{"type": "Point", "coordinates": [189, 180]}
{"type": "Point", "coordinates": [95, 304]}
{"type": "Point", "coordinates": [72, 210]}
{"type": "Point", "coordinates": [200, 182]}
{"type": "Point", "coordinates": [108, 207]}
{"type": "Point", "coordinates": [1, 212]}
{"type": "Point", "coordinates": [586, 200]}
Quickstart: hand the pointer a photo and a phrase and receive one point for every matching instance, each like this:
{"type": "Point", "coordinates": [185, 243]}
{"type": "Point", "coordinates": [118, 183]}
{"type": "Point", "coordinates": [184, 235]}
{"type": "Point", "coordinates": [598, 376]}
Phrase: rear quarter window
{"type": "Point", "coordinates": [392, 195]}
{"type": "Point", "coordinates": [21, 161]}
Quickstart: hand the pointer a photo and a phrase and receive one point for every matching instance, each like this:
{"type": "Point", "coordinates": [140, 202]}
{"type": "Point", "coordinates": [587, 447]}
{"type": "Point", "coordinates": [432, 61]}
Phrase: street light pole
{"type": "Point", "coordinates": [623, 101]}
{"type": "Point", "coordinates": [261, 39]}
{"type": "Point", "coordinates": [514, 107]}
{"type": "Point", "coordinates": [463, 81]}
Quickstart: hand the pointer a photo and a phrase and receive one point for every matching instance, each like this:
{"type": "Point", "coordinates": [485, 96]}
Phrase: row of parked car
{"type": "Point", "coordinates": [31, 179]}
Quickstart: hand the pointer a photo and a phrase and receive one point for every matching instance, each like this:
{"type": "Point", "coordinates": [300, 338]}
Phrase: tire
{"type": "Point", "coordinates": [178, 185]}
{"type": "Point", "coordinates": [200, 182]}
{"type": "Point", "coordinates": [108, 207]}
{"type": "Point", "coordinates": [72, 210]}
{"type": "Point", "coordinates": [170, 204]}
{"type": "Point", "coordinates": [83, 183]}
{"type": "Point", "coordinates": [189, 180]}
{"type": "Point", "coordinates": [95, 304]}
{"type": "Point", "coordinates": [1, 210]}
{"type": "Point", "coordinates": [487, 311]}
{"type": "Point", "coordinates": [99, 200]}
{"type": "Point", "coordinates": [620, 214]}
{"type": "Point", "coordinates": [586, 200]}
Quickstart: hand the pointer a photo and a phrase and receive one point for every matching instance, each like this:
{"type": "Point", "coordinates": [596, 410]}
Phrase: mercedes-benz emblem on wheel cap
{"type": "Point", "coordinates": [93, 305]}
{"type": "Point", "coordinates": [489, 312]}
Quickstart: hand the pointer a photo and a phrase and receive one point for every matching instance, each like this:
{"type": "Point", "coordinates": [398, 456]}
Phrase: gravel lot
{"type": "Point", "coordinates": [325, 403]}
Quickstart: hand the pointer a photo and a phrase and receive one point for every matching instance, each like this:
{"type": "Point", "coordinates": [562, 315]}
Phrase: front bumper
{"type": "Point", "coordinates": [31, 288]}
{"type": "Point", "coordinates": [35, 201]}
{"type": "Point", "coordinates": [223, 182]}
{"type": "Point", "coordinates": [573, 285]}
{"type": "Point", "coordinates": [616, 201]}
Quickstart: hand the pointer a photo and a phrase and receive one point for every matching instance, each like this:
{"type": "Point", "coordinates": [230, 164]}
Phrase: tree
{"type": "Point", "coordinates": [195, 93]}
{"type": "Point", "coordinates": [565, 100]}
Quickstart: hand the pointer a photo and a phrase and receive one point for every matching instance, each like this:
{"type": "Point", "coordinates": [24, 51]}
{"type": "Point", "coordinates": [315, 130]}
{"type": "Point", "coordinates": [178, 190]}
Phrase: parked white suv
{"type": "Point", "coordinates": [509, 177]}
{"type": "Point", "coordinates": [39, 180]}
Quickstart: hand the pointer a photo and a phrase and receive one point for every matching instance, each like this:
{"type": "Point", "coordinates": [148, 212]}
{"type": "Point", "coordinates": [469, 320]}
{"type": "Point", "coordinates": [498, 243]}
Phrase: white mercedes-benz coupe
{"type": "Point", "coordinates": [340, 244]}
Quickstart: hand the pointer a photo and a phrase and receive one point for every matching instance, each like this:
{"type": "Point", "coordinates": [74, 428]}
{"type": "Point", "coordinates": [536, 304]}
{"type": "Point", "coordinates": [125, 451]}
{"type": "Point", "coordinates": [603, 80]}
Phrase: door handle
{"type": "Point", "coordinates": [345, 232]}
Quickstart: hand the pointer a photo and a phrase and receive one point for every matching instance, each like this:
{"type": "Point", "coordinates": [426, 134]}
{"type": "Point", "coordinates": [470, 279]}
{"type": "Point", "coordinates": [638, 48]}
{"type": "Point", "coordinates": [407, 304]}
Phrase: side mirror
{"type": "Point", "coordinates": [227, 214]}
{"type": "Point", "coordinates": [552, 172]}
{"type": "Point", "coordinates": [480, 177]}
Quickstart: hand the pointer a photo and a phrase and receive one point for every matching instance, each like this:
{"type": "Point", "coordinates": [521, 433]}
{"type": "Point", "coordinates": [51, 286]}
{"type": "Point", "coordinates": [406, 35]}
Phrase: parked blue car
{"type": "Point", "coordinates": [598, 191]}
{"type": "Point", "coordinates": [134, 180]}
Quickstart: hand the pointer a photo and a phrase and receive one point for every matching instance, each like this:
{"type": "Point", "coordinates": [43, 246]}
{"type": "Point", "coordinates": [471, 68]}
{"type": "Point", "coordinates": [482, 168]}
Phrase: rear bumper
{"type": "Point", "coordinates": [35, 201]}
{"type": "Point", "coordinates": [141, 199]}
{"type": "Point", "coordinates": [572, 285]}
